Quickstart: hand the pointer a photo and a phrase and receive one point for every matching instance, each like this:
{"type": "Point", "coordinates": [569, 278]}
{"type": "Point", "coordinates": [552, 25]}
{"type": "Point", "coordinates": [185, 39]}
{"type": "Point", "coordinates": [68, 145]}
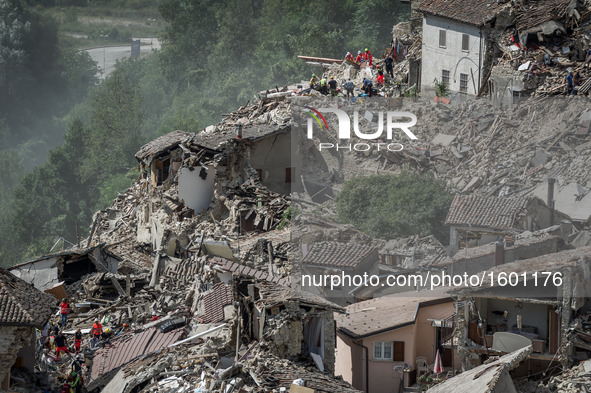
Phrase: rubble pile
{"type": "Point", "coordinates": [539, 138]}
{"type": "Point", "coordinates": [549, 39]}
{"type": "Point", "coordinates": [574, 380]}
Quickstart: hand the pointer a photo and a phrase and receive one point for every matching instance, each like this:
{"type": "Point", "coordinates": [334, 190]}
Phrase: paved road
{"type": "Point", "coordinates": [106, 57]}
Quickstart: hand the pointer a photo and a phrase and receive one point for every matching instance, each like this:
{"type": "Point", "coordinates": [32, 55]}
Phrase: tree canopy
{"type": "Point", "coordinates": [388, 206]}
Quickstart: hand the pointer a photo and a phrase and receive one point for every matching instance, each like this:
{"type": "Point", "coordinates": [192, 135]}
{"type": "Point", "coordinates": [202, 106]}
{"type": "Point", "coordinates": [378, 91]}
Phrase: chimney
{"type": "Point", "coordinates": [550, 199]}
{"type": "Point", "coordinates": [499, 252]}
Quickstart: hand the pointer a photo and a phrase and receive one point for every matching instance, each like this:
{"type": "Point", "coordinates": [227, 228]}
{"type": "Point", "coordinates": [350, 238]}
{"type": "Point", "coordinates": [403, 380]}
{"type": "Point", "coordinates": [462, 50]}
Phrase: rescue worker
{"type": "Point", "coordinates": [313, 81]}
{"type": "Point", "coordinates": [380, 78]}
{"type": "Point", "coordinates": [77, 364]}
{"type": "Point", "coordinates": [75, 382]}
{"type": "Point", "coordinates": [61, 346]}
{"type": "Point", "coordinates": [349, 57]}
{"type": "Point", "coordinates": [77, 340]}
{"type": "Point", "coordinates": [389, 62]}
{"type": "Point", "coordinates": [368, 57]}
{"type": "Point", "coordinates": [359, 57]}
{"type": "Point", "coordinates": [349, 86]}
{"type": "Point", "coordinates": [332, 84]}
{"type": "Point", "coordinates": [96, 332]}
{"type": "Point", "coordinates": [323, 88]}
{"type": "Point", "coordinates": [367, 86]}
{"type": "Point", "coordinates": [64, 306]}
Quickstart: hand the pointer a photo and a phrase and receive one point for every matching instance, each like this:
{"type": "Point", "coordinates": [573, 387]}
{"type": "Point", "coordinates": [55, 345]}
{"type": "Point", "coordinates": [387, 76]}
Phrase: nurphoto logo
{"type": "Point", "coordinates": [394, 121]}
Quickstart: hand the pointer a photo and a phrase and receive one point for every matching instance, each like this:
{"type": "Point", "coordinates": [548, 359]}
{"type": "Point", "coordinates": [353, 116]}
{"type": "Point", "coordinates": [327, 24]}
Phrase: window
{"type": "Point", "coordinates": [388, 350]}
{"type": "Point", "coordinates": [442, 36]}
{"type": "Point", "coordinates": [445, 76]}
{"type": "Point", "coordinates": [465, 42]}
{"type": "Point", "coordinates": [382, 350]}
{"type": "Point", "coordinates": [463, 83]}
{"type": "Point", "coordinates": [289, 175]}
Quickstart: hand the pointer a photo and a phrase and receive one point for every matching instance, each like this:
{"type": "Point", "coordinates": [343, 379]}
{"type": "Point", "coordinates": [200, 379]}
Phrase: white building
{"type": "Point", "coordinates": [455, 45]}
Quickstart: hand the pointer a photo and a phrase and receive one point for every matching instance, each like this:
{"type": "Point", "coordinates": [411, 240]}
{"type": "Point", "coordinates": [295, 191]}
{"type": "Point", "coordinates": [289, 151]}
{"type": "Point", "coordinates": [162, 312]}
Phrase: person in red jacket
{"type": "Point", "coordinates": [96, 333]}
{"type": "Point", "coordinates": [368, 57]}
{"type": "Point", "coordinates": [64, 307]}
{"type": "Point", "coordinates": [349, 56]}
{"type": "Point", "coordinates": [359, 57]}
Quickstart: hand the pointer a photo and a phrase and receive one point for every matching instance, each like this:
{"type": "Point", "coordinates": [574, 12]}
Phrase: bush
{"type": "Point", "coordinates": [388, 206]}
{"type": "Point", "coordinates": [441, 88]}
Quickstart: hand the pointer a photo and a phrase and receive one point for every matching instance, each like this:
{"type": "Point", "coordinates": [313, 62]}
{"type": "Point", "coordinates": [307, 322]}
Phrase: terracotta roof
{"type": "Point", "coordinates": [21, 304]}
{"type": "Point", "coordinates": [480, 211]}
{"type": "Point", "coordinates": [273, 295]}
{"type": "Point", "coordinates": [472, 12]}
{"type": "Point", "coordinates": [386, 313]}
{"type": "Point", "coordinates": [243, 270]}
{"type": "Point", "coordinates": [554, 262]}
{"type": "Point", "coordinates": [212, 140]}
{"type": "Point", "coordinates": [489, 249]}
{"type": "Point", "coordinates": [160, 145]}
{"type": "Point", "coordinates": [335, 254]}
{"type": "Point", "coordinates": [214, 301]}
{"type": "Point", "coordinates": [126, 349]}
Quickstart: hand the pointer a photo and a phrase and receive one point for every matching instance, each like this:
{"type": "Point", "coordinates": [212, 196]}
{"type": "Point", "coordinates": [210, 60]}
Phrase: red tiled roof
{"type": "Point", "coordinates": [125, 350]}
{"type": "Point", "coordinates": [214, 301]}
{"type": "Point", "coordinates": [337, 254]}
{"type": "Point", "coordinates": [480, 211]}
{"type": "Point", "coordinates": [21, 304]}
{"type": "Point", "coordinates": [472, 12]}
{"type": "Point", "coordinates": [242, 270]}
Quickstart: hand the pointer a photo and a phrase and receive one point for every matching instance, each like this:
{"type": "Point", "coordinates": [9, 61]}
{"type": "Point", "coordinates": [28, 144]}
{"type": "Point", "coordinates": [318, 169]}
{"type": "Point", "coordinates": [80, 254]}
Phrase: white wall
{"type": "Point", "coordinates": [193, 190]}
{"type": "Point", "coordinates": [41, 274]}
{"type": "Point", "coordinates": [452, 58]}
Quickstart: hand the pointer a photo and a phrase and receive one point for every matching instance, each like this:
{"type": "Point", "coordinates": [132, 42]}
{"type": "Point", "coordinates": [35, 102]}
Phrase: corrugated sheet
{"type": "Point", "coordinates": [125, 350]}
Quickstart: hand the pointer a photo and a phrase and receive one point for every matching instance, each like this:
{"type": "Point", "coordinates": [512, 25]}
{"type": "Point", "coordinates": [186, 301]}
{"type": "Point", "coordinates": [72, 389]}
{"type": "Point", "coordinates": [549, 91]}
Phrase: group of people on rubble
{"type": "Point", "coordinates": [361, 56]}
{"type": "Point", "coordinates": [328, 85]}
{"type": "Point", "coordinates": [52, 338]}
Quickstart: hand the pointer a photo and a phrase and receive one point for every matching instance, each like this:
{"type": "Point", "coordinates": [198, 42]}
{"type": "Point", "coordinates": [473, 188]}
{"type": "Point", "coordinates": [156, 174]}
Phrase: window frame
{"type": "Point", "coordinates": [382, 345]}
{"type": "Point", "coordinates": [445, 78]}
{"type": "Point", "coordinates": [464, 79]}
{"type": "Point", "coordinates": [442, 38]}
{"type": "Point", "coordinates": [466, 41]}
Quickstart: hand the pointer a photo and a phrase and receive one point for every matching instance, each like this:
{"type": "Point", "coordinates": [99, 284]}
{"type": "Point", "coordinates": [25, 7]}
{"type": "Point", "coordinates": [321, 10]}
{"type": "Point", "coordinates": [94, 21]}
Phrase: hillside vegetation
{"type": "Point", "coordinates": [215, 56]}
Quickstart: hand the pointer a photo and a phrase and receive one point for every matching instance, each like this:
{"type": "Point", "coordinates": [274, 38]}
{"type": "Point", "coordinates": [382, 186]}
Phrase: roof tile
{"type": "Point", "coordinates": [472, 12]}
{"type": "Point", "coordinates": [480, 211]}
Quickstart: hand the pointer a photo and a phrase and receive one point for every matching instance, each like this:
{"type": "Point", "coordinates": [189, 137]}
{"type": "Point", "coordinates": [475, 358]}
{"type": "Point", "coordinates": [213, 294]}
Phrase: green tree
{"type": "Point", "coordinates": [388, 206]}
{"type": "Point", "coordinates": [114, 129]}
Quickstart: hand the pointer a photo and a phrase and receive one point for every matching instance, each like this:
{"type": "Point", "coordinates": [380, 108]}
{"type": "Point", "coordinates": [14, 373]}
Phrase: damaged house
{"type": "Point", "coordinates": [376, 338]}
{"type": "Point", "coordinates": [457, 43]}
{"type": "Point", "coordinates": [550, 311]}
{"type": "Point", "coordinates": [23, 309]}
{"type": "Point", "coordinates": [476, 220]}
{"type": "Point", "coordinates": [324, 258]}
{"type": "Point", "coordinates": [53, 271]}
